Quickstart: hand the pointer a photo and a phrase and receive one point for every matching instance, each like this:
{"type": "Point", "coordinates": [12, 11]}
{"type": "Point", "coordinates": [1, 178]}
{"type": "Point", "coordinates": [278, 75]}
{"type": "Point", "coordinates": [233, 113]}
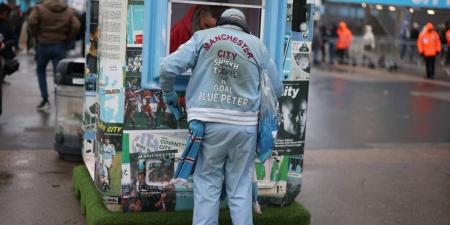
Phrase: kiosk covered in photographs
{"type": "Point", "coordinates": [133, 166]}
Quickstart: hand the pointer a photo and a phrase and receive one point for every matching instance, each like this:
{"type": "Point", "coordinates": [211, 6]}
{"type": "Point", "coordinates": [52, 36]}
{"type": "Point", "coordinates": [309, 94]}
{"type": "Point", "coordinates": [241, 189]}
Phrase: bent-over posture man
{"type": "Point", "coordinates": [223, 93]}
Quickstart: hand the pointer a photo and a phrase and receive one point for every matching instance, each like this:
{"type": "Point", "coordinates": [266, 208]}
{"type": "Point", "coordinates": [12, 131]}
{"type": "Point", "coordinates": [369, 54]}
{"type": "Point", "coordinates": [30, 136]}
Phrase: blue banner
{"type": "Point", "coordinates": [444, 4]}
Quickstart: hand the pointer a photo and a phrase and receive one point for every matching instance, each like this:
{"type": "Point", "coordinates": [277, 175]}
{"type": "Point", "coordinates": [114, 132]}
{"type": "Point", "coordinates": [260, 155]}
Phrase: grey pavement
{"type": "Point", "coordinates": [21, 126]}
{"type": "Point", "coordinates": [36, 188]}
{"type": "Point", "coordinates": [35, 185]}
{"type": "Point", "coordinates": [377, 151]}
{"type": "Point", "coordinates": [356, 108]}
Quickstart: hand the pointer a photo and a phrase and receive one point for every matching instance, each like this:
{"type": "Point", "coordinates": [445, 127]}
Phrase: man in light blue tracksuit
{"type": "Point", "coordinates": [223, 93]}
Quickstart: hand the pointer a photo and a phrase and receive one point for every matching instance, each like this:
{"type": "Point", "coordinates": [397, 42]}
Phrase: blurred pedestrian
{"type": "Point", "coordinates": [343, 42]}
{"type": "Point", "coordinates": [369, 46]}
{"type": "Point", "coordinates": [6, 44]}
{"type": "Point", "coordinates": [414, 35]}
{"type": "Point", "coordinates": [404, 37]}
{"type": "Point", "coordinates": [332, 38]}
{"type": "Point", "coordinates": [447, 38]}
{"type": "Point", "coordinates": [316, 43]}
{"type": "Point", "coordinates": [324, 35]}
{"type": "Point", "coordinates": [7, 39]}
{"type": "Point", "coordinates": [441, 30]}
{"type": "Point", "coordinates": [15, 20]}
{"type": "Point", "coordinates": [54, 25]}
{"type": "Point", "coordinates": [429, 46]}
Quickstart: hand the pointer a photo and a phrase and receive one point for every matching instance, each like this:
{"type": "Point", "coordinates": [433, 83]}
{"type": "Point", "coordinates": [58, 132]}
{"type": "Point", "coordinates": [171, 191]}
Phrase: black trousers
{"type": "Point", "coordinates": [448, 55]}
{"type": "Point", "coordinates": [430, 62]}
{"type": "Point", "coordinates": [343, 56]}
{"type": "Point", "coordinates": [1, 91]}
{"type": "Point", "coordinates": [2, 78]}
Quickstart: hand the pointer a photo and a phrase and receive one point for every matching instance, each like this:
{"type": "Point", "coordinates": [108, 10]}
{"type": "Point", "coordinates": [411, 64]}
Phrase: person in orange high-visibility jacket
{"type": "Point", "coordinates": [343, 42]}
{"type": "Point", "coordinates": [428, 46]}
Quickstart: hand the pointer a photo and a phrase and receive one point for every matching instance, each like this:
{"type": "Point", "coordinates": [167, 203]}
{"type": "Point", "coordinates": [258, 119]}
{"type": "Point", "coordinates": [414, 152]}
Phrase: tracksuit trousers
{"type": "Point", "coordinates": [227, 152]}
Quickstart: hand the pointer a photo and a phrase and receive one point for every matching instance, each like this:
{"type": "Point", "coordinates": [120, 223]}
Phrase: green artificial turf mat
{"type": "Point", "coordinates": [92, 207]}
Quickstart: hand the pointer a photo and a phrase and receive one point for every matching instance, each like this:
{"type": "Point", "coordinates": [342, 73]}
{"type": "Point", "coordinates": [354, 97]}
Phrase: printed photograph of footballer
{"type": "Point", "coordinates": [293, 118]}
{"type": "Point", "coordinates": [145, 109]}
{"type": "Point", "coordinates": [133, 102]}
{"type": "Point", "coordinates": [150, 188]}
{"type": "Point", "coordinates": [108, 164]}
{"type": "Point", "coordinates": [292, 108]}
{"type": "Point", "coordinates": [134, 61]}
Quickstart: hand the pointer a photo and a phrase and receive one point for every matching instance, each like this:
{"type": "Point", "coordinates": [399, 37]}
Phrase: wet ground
{"type": "Point", "coordinates": [377, 151]}
{"type": "Point", "coordinates": [35, 185]}
{"type": "Point", "coordinates": [21, 126]}
{"type": "Point", "coordinates": [359, 108]}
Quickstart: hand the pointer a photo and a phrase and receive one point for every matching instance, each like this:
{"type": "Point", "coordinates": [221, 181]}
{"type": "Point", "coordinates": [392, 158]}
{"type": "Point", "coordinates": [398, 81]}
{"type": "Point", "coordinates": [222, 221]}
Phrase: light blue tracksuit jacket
{"type": "Point", "coordinates": [223, 87]}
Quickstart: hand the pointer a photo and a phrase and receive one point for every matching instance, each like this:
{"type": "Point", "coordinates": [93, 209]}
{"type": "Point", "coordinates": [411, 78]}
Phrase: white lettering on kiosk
{"type": "Point", "coordinates": [291, 92]}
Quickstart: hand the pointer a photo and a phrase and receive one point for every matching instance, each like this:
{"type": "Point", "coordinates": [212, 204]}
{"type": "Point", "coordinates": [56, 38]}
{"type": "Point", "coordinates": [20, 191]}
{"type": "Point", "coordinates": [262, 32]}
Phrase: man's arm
{"type": "Point", "coordinates": [74, 26]}
{"type": "Point", "coordinates": [33, 21]}
{"type": "Point", "coordinates": [177, 63]}
{"type": "Point", "coordinates": [10, 36]}
{"type": "Point", "coordinates": [419, 44]}
{"type": "Point", "coordinates": [438, 44]}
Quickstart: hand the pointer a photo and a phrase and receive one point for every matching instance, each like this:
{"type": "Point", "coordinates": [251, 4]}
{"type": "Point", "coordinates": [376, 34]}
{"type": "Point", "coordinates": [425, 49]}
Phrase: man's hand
{"type": "Point", "coordinates": [2, 45]}
{"type": "Point", "coordinates": [170, 98]}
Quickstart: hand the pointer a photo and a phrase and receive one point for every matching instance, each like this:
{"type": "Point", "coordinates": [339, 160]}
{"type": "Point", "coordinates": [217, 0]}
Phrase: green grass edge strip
{"type": "Point", "coordinates": [92, 207]}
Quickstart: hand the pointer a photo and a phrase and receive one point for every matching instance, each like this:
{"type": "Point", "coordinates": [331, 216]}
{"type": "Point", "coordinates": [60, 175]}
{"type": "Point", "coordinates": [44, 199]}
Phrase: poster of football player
{"type": "Point", "coordinates": [292, 110]}
{"type": "Point", "coordinates": [152, 164]}
{"type": "Point", "coordinates": [108, 158]}
{"type": "Point", "coordinates": [293, 103]}
{"type": "Point", "coordinates": [145, 109]}
{"type": "Point", "coordinates": [133, 64]}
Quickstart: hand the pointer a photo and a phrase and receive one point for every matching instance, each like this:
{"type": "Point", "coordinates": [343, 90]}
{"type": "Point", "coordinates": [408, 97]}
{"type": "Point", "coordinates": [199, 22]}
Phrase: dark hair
{"type": "Point", "coordinates": [216, 11]}
{"type": "Point", "coordinates": [288, 100]}
{"type": "Point", "coordinates": [4, 8]}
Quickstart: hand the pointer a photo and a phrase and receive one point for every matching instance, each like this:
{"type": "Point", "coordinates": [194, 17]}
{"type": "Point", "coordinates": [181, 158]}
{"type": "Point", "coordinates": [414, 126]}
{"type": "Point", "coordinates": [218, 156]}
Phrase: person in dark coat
{"type": "Point", "coordinates": [7, 35]}
{"type": "Point", "coordinates": [54, 25]}
{"type": "Point", "coordinates": [332, 37]}
{"type": "Point", "coordinates": [7, 41]}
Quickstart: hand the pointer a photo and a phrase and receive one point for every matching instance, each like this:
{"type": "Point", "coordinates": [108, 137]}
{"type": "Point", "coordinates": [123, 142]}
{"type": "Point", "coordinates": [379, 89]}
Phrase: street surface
{"type": "Point", "coordinates": [377, 151]}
